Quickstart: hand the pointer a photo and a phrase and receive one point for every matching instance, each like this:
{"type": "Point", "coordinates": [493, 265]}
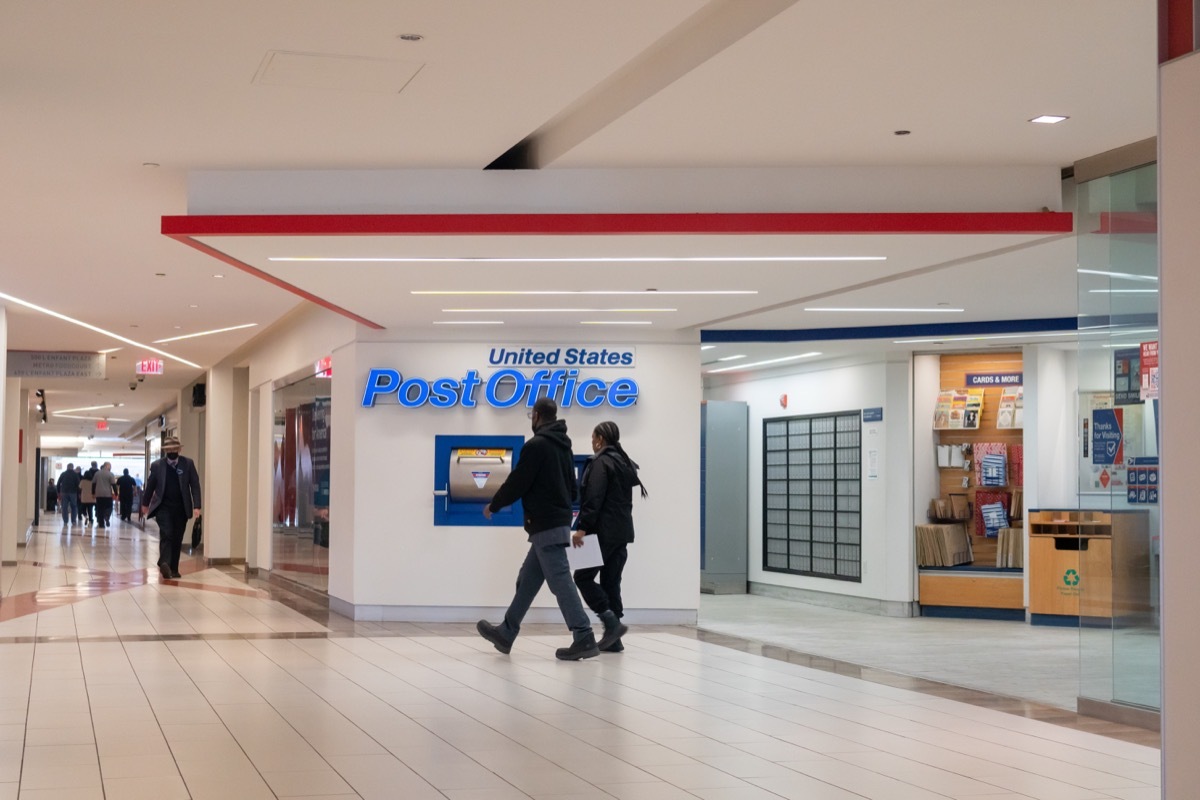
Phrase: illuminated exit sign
{"type": "Point", "coordinates": [149, 366]}
{"type": "Point", "coordinates": [101, 424]}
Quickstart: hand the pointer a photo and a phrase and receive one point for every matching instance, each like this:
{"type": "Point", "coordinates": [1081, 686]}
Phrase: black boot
{"type": "Point", "coordinates": [490, 632]}
{"type": "Point", "coordinates": [579, 649]}
{"type": "Point", "coordinates": [613, 631]}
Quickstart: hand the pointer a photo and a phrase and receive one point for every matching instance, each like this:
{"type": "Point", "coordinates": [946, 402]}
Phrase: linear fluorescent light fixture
{"type": "Point", "coordinates": [469, 322]}
{"type": "Point", "coordinates": [732, 358]}
{"type": "Point", "coordinates": [567, 259]}
{"type": "Point", "coordinates": [1049, 119]}
{"type": "Point", "coordinates": [893, 310]}
{"type": "Point", "coordinates": [1122, 291]}
{"type": "Point", "coordinates": [556, 310]}
{"type": "Point", "coordinates": [207, 333]}
{"type": "Point", "coordinates": [88, 408]}
{"type": "Point", "coordinates": [539, 292]}
{"type": "Point", "coordinates": [707, 346]}
{"type": "Point", "coordinates": [1124, 275]}
{"type": "Point", "coordinates": [95, 419]}
{"type": "Point", "coordinates": [95, 329]}
{"type": "Point", "coordinates": [768, 362]}
{"type": "Point", "coordinates": [615, 322]}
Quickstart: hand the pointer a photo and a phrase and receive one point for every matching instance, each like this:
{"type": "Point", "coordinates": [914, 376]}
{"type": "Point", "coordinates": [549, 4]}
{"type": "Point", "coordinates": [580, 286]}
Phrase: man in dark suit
{"type": "Point", "coordinates": [171, 495]}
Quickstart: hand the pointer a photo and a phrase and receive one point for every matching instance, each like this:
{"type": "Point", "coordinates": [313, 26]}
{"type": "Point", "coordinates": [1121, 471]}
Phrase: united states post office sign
{"type": "Point", "coordinates": [55, 364]}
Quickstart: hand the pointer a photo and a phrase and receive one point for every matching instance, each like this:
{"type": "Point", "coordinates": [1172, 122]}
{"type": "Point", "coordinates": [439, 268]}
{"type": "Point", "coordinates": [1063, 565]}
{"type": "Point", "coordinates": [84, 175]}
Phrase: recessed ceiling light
{"type": "Point", "coordinates": [901, 133]}
{"type": "Point", "coordinates": [556, 310]}
{"type": "Point", "coordinates": [218, 275]}
{"type": "Point", "coordinates": [83, 408]}
{"type": "Point", "coordinates": [193, 305]}
{"type": "Point", "coordinates": [93, 328]}
{"type": "Point", "coordinates": [1123, 275]}
{"type": "Point", "coordinates": [896, 310]}
{"type": "Point", "coordinates": [768, 362]}
{"type": "Point", "coordinates": [731, 358]}
{"type": "Point", "coordinates": [1048, 119]}
{"type": "Point", "coordinates": [546, 292]}
{"type": "Point", "coordinates": [160, 274]}
{"type": "Point", "coordinates": [615, 322]}
{"type": "Point", "coordinates": [150, 164]}
{"type": "Point", "coordinates": [410, 37]}
{"type": "Point", "coordinates": [707, 346]}
{"type": "Point", "coordinates": [206, 333]}
{"type": "Point", "coordinates": [575, 259]}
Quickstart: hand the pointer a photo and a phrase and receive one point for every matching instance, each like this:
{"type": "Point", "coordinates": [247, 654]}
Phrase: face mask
{"type": "Point", "coordinates": [172, 457]}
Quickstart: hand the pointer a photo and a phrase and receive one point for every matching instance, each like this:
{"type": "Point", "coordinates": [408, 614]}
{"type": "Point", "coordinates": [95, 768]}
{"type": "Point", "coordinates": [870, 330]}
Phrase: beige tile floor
{"type": "Point", "coordinates": [118, 685]}
{"type": "Point", "coordinates": [1009, 658]}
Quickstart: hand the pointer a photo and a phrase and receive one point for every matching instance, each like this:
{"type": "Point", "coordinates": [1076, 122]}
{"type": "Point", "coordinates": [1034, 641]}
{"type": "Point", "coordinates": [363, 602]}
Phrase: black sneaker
{"type": "Point", "coordinates": [612, 636]}
{"type": "Point", "coordinates": [490, 632]}
{"type": "Point", "coordinates": [579, 649]}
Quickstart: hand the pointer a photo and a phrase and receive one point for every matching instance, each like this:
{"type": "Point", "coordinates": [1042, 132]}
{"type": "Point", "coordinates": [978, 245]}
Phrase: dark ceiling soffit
{"type": "Point", "coordinates": [1003, 222]}
{"type": "Point", "coordinates": [1051, 324]}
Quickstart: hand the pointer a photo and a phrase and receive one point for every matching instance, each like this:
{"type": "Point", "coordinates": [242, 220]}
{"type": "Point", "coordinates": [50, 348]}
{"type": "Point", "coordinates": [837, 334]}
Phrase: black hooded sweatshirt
{"type": "Point", "coordinates": [543, 480]}
{"type": "Point", "coordinates": [607, 505]}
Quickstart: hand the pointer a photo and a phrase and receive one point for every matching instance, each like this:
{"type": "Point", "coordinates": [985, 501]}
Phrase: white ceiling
{"type": "Point", "coordinates": [93, 93]}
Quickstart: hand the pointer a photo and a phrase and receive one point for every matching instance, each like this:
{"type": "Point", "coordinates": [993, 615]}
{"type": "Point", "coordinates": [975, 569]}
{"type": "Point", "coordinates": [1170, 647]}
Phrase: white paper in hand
{"type": "Point", "coordinates": [587, 556]}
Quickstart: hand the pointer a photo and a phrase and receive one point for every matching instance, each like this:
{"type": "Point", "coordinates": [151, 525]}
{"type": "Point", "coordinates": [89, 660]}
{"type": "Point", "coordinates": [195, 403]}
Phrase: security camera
{"type": "Point", "coordinates": [132, 385]}
{"type": "Point", "coordinates": [141, 378]}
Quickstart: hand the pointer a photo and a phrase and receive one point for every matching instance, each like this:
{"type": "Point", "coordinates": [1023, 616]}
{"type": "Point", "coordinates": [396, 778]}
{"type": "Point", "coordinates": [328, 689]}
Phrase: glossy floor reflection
{"type": "Point", "coordinates": [219, 686]}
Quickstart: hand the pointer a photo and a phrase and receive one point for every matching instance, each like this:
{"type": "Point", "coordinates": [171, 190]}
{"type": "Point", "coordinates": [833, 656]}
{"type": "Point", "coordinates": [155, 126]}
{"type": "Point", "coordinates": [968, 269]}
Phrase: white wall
{"type": "Point", "coordinates": [881, 380]}
{"type": "Point", "coordinates": [1051, 454]}
{"type": "Point", "coordinates": [400, 566]}
{"type": "Point", "coordinates": [927, 382]}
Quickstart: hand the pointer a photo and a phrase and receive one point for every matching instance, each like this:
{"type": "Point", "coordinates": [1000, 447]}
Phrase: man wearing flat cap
{"type": "Point", "coordinates": [171, 495]}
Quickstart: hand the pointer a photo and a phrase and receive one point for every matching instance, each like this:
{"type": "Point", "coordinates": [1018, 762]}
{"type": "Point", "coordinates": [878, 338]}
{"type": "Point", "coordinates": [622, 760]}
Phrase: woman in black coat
{"type": "Point", "coordinates": [606, 511]}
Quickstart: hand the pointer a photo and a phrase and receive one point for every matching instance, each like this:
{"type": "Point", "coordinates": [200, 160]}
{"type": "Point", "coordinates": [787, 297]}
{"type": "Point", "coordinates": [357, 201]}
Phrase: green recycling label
{"type": "Point", "coordinates": [1071, 578]}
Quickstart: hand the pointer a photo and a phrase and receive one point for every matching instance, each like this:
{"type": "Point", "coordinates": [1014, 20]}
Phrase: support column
{"type": "Point", "coordinates": [8, 533]}
{"type": "Point", "coordinates": [1179, 286]}
{"type": "Point", "coordinates": [10, 478]}
{"type": "Point", "coordinates": [260, 502]}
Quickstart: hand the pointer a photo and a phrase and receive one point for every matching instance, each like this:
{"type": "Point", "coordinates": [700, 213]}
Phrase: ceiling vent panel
{"type": "Point", "coordinates": [345, 73]}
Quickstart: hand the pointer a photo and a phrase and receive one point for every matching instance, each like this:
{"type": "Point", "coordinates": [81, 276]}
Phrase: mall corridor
{"type": "Point", "coordinates": [117, 684]}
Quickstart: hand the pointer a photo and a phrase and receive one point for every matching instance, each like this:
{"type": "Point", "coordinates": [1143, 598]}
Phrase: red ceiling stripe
{"type": "Point", "coordinates": [1038, 222]}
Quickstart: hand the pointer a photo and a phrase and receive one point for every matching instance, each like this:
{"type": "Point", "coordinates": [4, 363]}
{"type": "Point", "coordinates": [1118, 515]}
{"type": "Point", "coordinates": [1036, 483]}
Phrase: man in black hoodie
{"type": "Point", "coordinates": [544, 481]}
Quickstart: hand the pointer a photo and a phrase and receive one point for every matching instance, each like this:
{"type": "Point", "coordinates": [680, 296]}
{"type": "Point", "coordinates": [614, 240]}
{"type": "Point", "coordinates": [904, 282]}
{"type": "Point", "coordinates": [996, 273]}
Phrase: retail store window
{"type": "Point", "coordinates": [812, 495]}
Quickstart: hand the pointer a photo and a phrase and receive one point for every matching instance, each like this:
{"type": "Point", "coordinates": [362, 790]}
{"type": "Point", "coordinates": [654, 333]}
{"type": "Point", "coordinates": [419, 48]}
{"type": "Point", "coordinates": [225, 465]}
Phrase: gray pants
{"type": "Point", "coordinates": [546, 562]}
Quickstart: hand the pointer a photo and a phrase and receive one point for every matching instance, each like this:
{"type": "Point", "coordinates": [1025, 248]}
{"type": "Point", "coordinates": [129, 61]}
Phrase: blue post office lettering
{"type": "Point", "coordinates": [503, 389]}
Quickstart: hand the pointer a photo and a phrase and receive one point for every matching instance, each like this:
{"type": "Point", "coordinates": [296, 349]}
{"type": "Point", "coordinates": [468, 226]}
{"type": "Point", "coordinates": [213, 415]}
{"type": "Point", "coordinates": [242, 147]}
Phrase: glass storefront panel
{"type": "Point", "coordinates": [300, 531]}
{"type": "Point", "coordinates": [1118, 437]}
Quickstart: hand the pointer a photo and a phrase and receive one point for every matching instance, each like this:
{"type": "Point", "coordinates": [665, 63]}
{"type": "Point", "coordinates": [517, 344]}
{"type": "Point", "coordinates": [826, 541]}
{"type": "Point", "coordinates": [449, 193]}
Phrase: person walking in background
{"type": "Point", "coordinates": [544, 481]}
{"type": "Point", "coordinates": [51, 496]}
{"type": "Point", "coordinates": [68, 495]}
{"type": "Point", "coordinates": [170, 497]}
{"type": "Point", "coordinates": [606, 511]}
{"type": "Point", "coordinates": [87, 499]}
{"type": "Point", "coordinates": [125, 489]}
{"type": "Point", "coordinates": [103, 483]}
